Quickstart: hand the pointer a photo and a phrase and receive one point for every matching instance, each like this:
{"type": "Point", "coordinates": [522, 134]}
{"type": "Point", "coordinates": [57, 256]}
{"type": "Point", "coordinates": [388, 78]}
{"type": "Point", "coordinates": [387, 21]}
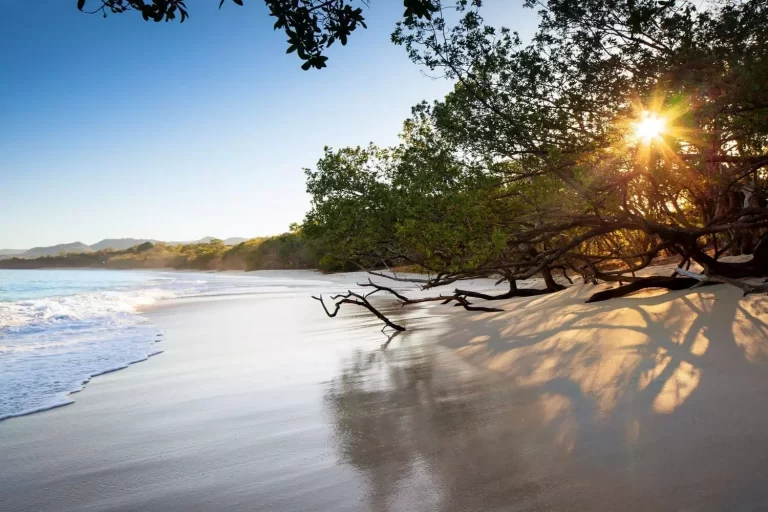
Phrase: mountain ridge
{"type": "Point", "coordinates": [54, 250]}
{"type": "Point", "coordinates": [118, 244]}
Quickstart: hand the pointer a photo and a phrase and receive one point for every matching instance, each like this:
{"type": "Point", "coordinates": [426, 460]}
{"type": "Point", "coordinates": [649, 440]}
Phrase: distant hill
{"type": "Point", "coordinates": [207, 239]}
{"type": "Point", "coordinates": [117, 244]}
{"type": "Point", "coordinates": [12, 252]}
{"type": "Point", "coordinates": [120, 244]}
{"type": "Point", "coordinates": [54, 250]}
{"type": "Point", "coordinates": [286, 251]}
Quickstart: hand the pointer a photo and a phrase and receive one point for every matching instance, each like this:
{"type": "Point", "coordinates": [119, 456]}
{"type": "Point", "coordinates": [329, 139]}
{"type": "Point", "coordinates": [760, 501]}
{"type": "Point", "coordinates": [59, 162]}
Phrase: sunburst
{"type": "Point", "coordinates": [650, 127]}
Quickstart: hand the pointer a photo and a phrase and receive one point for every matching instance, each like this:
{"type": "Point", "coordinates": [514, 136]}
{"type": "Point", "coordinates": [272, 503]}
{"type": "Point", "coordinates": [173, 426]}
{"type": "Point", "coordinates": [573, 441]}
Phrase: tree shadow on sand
{"type": "Point", "coordinates": [645, 402]}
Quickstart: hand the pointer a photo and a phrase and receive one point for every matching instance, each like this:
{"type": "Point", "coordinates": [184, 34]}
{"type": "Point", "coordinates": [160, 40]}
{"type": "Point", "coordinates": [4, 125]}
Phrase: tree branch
{"type": "Point", "coordinates": [358, 300]}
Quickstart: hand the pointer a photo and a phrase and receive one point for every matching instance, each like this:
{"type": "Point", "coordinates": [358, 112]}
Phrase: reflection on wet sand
{"type": "Point", "coordinates": [428, 432]}
{"type": "Point", "coordinates": [650, 403]}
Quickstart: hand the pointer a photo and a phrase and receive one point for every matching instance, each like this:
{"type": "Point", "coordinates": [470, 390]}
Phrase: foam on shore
{"type": "Point", "coordinates": [53, 346]}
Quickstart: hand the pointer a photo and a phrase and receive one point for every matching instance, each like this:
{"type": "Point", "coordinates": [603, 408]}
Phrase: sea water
{"type": "Point", "coordinates": [59, 328]}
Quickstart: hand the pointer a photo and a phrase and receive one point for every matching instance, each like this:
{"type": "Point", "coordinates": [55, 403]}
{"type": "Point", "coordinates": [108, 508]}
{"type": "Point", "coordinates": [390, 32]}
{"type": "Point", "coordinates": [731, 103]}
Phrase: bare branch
{"type": "Point", "coordinates": [358, 300]}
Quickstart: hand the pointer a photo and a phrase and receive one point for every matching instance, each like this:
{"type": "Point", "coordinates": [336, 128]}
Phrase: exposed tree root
{"type": "Point", "coordinates": [703, 280]}
{"type": "Point", "coordinates": [755, 267]}
{"type": "Point", "coordinates": [463, 302]}
{"type": "Point", "coordinates": [513, 292]}
{"type": "Point", "coordinates": [670, 283]}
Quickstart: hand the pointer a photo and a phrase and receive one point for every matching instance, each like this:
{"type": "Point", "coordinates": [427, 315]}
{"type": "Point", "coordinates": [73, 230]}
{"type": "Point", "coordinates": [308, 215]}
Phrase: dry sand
{"type": "Point", "coordinates": [663, 395]}
{"type": "Point", "coordinates": [650, 402]}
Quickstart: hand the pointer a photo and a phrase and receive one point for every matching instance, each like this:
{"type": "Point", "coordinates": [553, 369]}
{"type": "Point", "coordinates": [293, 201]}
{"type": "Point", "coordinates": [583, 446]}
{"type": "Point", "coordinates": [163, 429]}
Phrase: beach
{"type": "Point", "coordinates": [260, 402]}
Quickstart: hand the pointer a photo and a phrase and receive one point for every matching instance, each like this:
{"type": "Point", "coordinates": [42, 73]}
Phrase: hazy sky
{"type": "Point", "coordinates": [121, 128]}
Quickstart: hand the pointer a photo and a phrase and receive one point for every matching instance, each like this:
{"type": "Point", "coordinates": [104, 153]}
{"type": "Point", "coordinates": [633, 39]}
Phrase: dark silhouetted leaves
{"type": "Point", "coordinates": [311, 25]}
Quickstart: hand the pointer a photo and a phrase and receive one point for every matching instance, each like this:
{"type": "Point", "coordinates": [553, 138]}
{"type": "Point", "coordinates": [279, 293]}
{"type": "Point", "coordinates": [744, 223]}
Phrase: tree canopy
{"type": "Point", "coordinates": [311, 26]}
{"type": "Point", "coordinates": [623, 131]}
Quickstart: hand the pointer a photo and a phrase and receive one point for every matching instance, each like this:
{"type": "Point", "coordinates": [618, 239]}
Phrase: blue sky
{"type": "Point", "coordinates": [121, 128]}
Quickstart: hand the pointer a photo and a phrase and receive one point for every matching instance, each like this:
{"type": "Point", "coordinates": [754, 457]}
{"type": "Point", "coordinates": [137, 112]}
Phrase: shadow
{"type": "Point", "coordinates": [663, 389]}
{"type": "Point", "coordinates": [390, 336]}
{"type": "Point", "coordinates": [423, 430]}
{"type": "Point", "coordinates": [649, 402]}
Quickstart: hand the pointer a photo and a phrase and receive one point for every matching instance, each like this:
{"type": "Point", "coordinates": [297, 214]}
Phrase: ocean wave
{"type": "Point", "coordinates": [51, 347]}
{"type": "Point", "coordinates": [65, 327]}
{"type": "Point", "coordinates": [51, 311]}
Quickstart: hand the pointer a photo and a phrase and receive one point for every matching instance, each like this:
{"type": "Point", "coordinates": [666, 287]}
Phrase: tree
{"type": "Point", "coordinates": [312, 26]}
{"type": "Point", "coordinates": [574, 106]}
{"type": "Point", "coordinates": [625, 130]}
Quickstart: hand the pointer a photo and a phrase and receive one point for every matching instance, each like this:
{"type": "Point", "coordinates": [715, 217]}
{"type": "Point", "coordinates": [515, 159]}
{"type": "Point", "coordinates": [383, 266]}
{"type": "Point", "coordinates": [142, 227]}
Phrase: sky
{"type": "Point", "coordinates": [116, 127]}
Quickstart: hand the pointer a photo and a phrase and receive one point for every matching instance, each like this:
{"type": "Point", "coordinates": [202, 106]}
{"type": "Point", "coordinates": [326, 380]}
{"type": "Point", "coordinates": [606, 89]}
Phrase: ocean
{"type": "Point", "coordinates": [60, 328]}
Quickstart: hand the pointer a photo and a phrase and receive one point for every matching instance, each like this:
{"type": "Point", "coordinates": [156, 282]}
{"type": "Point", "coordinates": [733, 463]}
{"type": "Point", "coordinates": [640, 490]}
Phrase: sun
{"type": "Point", "coordinates": [649, 127]}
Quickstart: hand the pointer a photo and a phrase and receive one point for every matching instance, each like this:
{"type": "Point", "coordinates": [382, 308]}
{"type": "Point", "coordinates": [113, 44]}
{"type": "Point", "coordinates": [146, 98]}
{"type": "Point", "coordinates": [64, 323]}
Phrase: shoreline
{"type": "Point", "coordinates": [145, 310]}
{"type": "Point", "coordinates": [81, 389]}
{"type": "Point", "coordinates": [261, 402]}
{"type": "Point", "coordinates": [200, 388]}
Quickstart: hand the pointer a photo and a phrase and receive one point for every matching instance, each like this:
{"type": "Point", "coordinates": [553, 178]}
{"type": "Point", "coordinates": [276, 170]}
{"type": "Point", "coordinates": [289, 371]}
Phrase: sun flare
{"type": "Point", "coordinates": [650, 127]}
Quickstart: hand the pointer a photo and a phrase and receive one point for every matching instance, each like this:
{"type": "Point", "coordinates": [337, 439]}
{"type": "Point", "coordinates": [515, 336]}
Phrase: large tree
{"type": "Point", "coordinates": [655, 115]}
{"type": "Point", "coordinates": [624, 130]}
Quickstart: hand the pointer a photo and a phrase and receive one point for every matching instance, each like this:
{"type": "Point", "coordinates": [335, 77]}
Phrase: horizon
{"type": "Point", "coordinates": [90, 150]}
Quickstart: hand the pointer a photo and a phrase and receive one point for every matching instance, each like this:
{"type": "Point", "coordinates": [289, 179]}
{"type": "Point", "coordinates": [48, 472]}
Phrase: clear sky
{"type": "Point", "coordinates": [118, 127]}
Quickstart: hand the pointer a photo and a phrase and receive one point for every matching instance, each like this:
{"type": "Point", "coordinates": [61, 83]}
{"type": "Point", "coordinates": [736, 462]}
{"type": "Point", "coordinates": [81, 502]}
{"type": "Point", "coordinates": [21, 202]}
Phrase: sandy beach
{"type": "Point", "coordinates": [261, 402]}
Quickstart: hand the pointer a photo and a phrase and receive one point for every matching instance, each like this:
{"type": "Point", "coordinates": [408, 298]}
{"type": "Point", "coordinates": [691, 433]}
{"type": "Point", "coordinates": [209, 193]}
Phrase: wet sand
{"type": "Point", "coordinates": [263, 403]}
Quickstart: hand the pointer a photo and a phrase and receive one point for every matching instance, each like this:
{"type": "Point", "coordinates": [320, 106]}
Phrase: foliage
{"type": "Point", "coordinates": [418, 202]}
{"type": "Point", "coordinates": [287, 251]}
{"type": "Point", "coordinates": [312, 26]}
{"type": "Point", "coordinates": [533, 161]}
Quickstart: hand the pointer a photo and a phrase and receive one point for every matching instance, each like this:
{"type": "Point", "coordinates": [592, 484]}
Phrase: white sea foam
{"type": "Point", "coordinates": [51, 347]}
{"type": "Point", "coordinates": [60, 328]}
{"type": "Point", "coordinates": [47, 312]}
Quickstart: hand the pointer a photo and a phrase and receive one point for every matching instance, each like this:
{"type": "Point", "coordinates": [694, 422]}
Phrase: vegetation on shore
{"type": "Point", "coordinates": [624, 131]}
{"type": "Point", "coordinates": [287, 251]}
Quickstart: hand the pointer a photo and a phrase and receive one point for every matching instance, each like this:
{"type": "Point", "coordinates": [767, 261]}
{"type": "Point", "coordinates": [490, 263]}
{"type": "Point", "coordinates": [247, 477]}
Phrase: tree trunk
{"type": "Point", "coordinates": [756, 267]}
{"type": "Point", "coordinates": [552, 286]}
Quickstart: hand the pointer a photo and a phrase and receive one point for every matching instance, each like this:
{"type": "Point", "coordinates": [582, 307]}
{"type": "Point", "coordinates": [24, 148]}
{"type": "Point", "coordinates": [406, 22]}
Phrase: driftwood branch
{"type": "Point", "coordinates": [379, 288]}
{"type": "Point", "coordinates": [460, 299]}
{"type": "Point", "coordinates": [362, 300]}
{"type": "Point", "coordinates": [358, 300]}
{"type": "Point", "coordinates": [395, 277]}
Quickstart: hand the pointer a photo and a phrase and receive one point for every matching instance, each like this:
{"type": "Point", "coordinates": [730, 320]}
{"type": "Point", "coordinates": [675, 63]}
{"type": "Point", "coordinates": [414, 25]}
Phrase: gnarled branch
{"type": "Point", "coordinates": [703, 280]}
{"type": "Point", "coordinates": [670, 283]}
{"type": "Point", "coordinates": [358, 300]}
{"type": "Point", "coordinates": [445, 299]}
